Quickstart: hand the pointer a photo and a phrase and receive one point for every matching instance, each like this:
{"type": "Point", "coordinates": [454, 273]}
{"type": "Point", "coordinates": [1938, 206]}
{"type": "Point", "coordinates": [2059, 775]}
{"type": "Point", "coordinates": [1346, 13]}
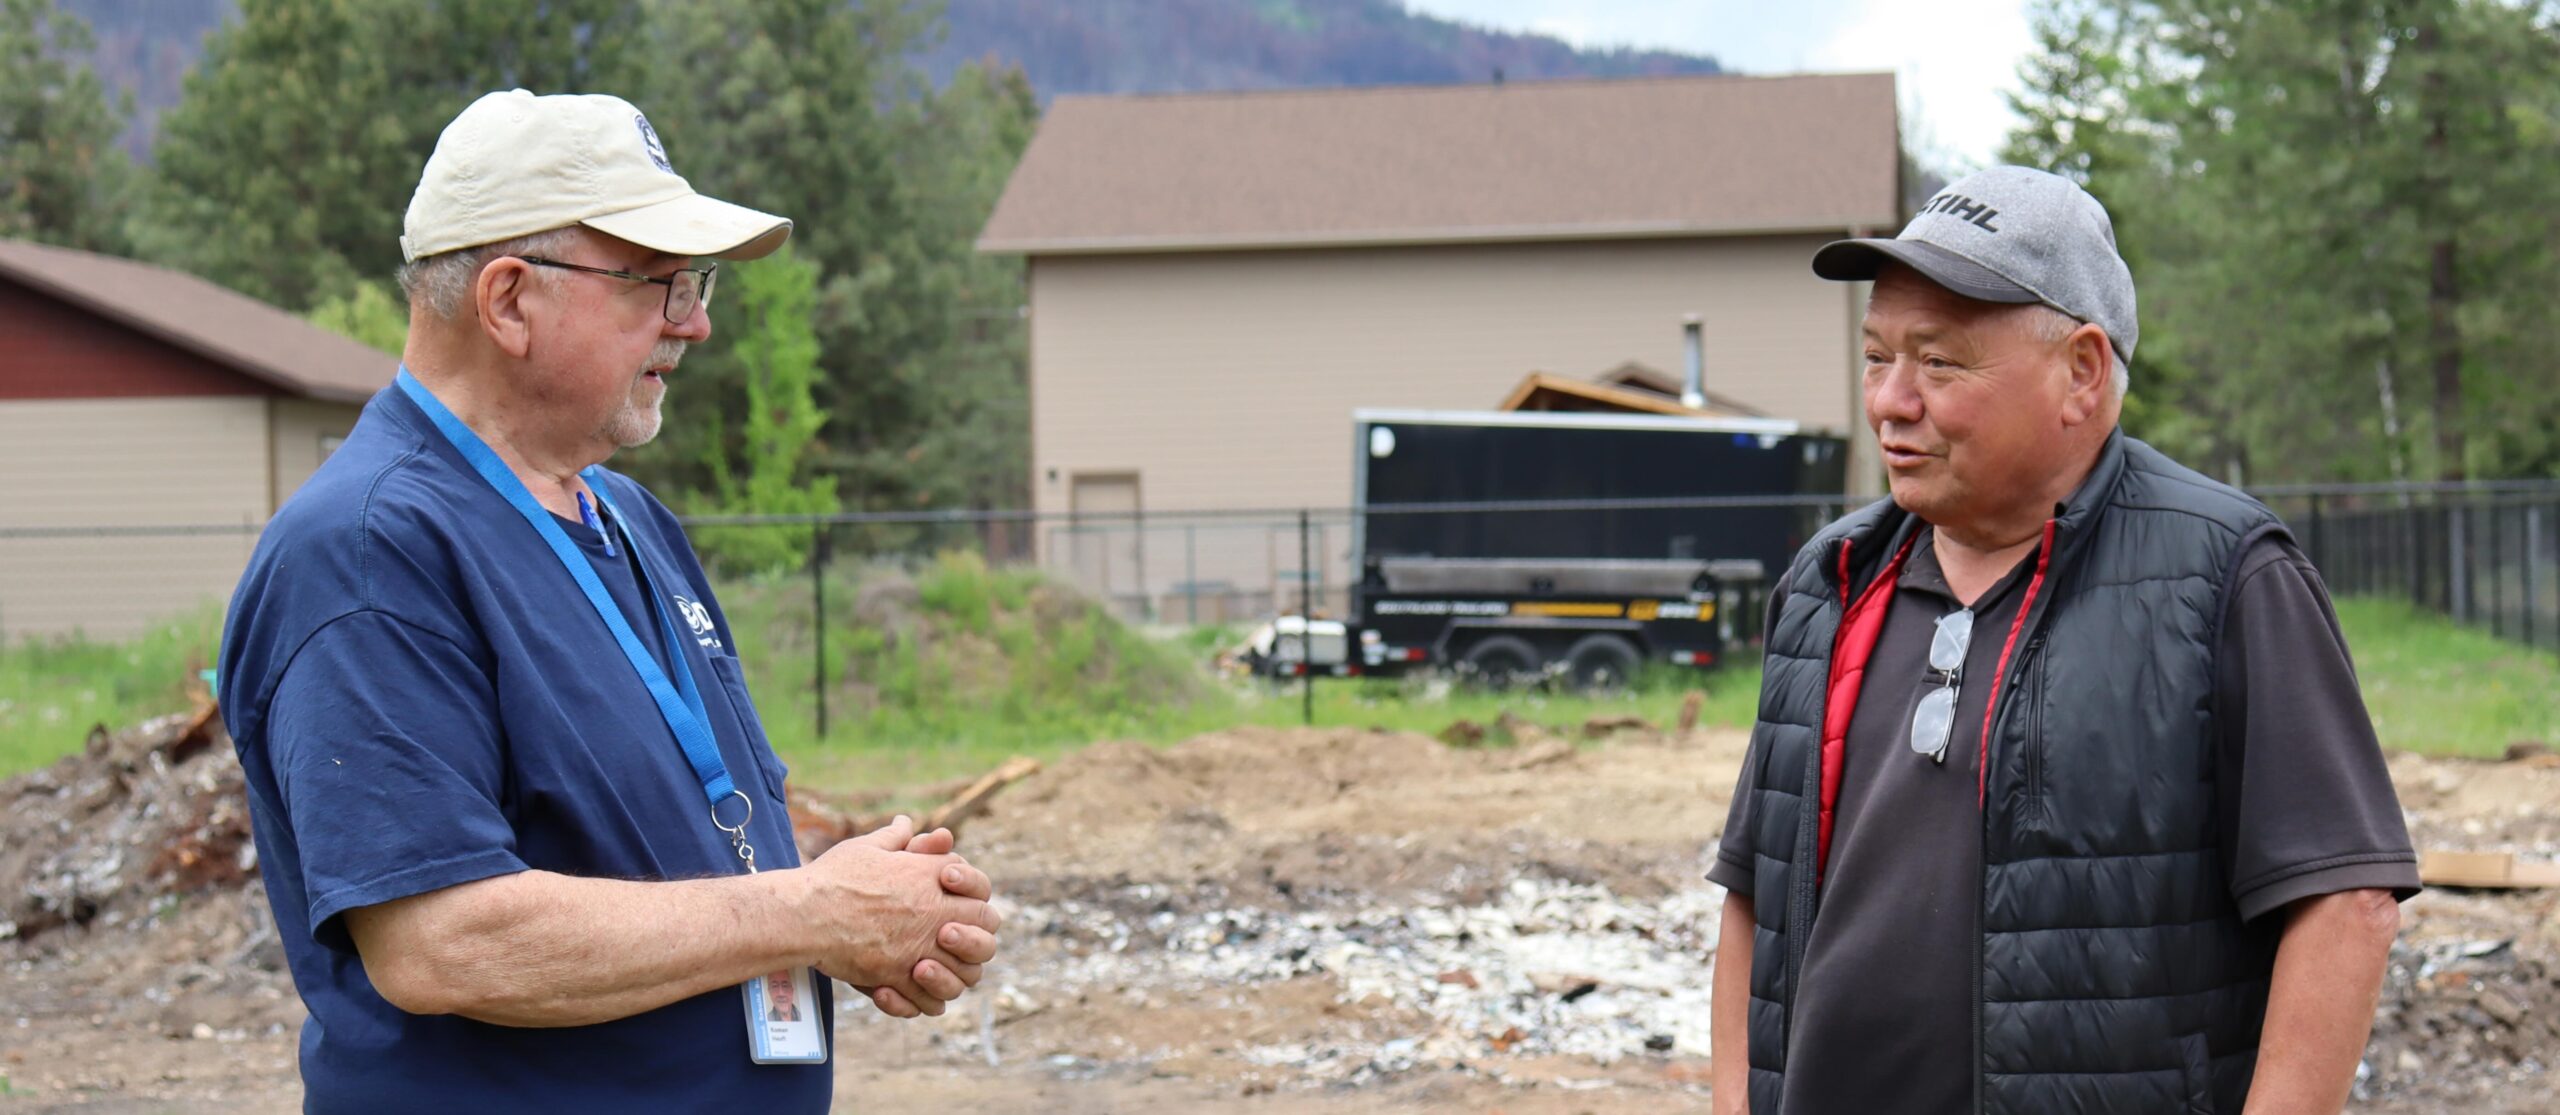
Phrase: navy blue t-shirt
{"type": "Point", "coordinates": [422, 697]}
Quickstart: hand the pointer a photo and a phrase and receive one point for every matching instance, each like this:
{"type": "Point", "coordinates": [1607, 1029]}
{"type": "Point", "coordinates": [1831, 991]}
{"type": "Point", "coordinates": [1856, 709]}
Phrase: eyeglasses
{"type": "Point", "coordinates": [687, 290]}
{"type": "Point", "coordinates": [1933, 723]}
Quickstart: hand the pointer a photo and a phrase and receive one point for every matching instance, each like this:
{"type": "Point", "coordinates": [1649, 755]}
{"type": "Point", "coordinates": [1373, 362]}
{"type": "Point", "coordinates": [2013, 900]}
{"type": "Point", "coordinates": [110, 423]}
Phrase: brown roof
{"type": "Point", "coordinates": [1549, 392]}
{"type": "Point", "coordinates": [1646, 157]}
{"type": "Point", "coordinates": [221, 325]}
{"type": "Point", "coordinates": [1636, 375]}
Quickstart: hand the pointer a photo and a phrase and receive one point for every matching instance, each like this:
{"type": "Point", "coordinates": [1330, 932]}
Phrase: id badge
{"type": "Point", "coordinates": [782, 1020]}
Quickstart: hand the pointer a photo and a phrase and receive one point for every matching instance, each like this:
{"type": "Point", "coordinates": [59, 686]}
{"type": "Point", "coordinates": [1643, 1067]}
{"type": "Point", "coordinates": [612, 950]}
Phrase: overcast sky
{"type": "Point", "coordinates": [1954, 57]}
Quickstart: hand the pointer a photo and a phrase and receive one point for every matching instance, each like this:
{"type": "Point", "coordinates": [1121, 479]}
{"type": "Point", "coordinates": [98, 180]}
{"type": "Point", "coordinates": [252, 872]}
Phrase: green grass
{"type": "Point", "coordinates": [946, 669]}
{"type": "Point", "coordinates": [52, 691]}
{"type": "Point", "coordinates": [2441, 689]}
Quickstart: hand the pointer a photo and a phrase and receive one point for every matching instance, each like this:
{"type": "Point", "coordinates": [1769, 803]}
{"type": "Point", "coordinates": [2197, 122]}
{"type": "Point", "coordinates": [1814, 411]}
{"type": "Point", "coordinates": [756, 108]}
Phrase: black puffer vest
{"type": "Point", "coordinates": [2113, 972]}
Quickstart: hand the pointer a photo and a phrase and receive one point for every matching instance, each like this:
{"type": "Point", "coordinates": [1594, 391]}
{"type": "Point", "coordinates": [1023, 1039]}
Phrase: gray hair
{"type": "Point", "coordinates": [442, 283]}
{"type": "Point", "coordinates": [2051, 326]}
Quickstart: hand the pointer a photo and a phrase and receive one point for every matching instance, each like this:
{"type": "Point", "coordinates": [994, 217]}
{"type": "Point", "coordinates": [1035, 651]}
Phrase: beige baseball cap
{"type": "Point", "coordinates": [514, 164]}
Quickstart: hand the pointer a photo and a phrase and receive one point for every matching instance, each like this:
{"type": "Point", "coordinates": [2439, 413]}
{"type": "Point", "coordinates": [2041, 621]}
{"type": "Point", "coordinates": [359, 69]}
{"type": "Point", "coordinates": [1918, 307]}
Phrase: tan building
{"type": "Point", "coordinates": [1218, 281]}
{"type": "Point", "coordinates": [136, 400]}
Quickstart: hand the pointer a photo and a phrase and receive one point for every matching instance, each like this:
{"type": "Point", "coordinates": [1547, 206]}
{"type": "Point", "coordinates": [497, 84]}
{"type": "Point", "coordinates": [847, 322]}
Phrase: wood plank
{"type": "Point", "coordinates": [2485, 869]}
{"type": "Point", "coordinates": [950, 813]}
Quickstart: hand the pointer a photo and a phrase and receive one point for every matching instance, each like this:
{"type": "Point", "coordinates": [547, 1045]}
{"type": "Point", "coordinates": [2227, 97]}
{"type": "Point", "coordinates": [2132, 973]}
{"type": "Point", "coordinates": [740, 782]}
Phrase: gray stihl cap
{"type": "Point", "coordinates": [2009, 234]}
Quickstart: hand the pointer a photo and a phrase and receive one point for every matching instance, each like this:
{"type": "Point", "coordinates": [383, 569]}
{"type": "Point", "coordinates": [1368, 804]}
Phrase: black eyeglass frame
{"type": "Point", "coordinates": [703, 277]}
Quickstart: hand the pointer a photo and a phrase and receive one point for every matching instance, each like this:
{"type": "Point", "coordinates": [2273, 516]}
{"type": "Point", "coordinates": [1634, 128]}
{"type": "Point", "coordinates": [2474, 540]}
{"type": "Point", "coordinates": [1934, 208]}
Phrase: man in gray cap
{"type": "Point", "coordinates": [2062, 796]}
{"type": "Point", "coordinates": [524, 837]}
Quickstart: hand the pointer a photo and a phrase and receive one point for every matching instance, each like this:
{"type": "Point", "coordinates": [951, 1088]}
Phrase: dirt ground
{"type": "Point", "coordinates": [1263, 921]}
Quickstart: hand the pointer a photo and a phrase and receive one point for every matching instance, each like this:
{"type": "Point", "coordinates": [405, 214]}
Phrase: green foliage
{"type": "Point", "coordinates": [284, 171]}
{"type": "Point", "coordinates": [775, 454]}
{"type": "Point", "coordinates": [368, 313]}
{"type": "Point", "coordinates": [2339, 216]}
{"type": "Point", "coordinates": [809, 108]}
{"type": "Point", "coordinates": [62, 181]}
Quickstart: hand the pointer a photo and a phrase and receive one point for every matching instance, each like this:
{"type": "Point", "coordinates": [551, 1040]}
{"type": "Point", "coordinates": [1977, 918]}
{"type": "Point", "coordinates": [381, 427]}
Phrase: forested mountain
{"type": "Point", "coordinates": [1065, 46]}
{"type": "Point", "coordinates": [1156, 46]}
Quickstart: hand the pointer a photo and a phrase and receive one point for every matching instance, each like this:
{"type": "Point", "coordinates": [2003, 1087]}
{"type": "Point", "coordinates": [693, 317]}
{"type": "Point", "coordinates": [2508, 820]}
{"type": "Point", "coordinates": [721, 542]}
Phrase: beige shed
{"type": "Point", "coordinates": [1217, 281]}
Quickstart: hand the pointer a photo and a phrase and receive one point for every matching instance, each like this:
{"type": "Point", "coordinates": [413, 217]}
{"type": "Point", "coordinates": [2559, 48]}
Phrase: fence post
{"type": "Point", "coordinates": [2497, 571]}
{"type": "Point", "coordinates": [1191, 573]}
{"type": "Point", "coordinates": [2532, 555]}
{"type": "Point", "coordinates": [2458, 562]}
{"type": "Point", "coordinates": [2368, 563]}
{"type": "Point", "coordinates": [2418, 551]}
{"type": "Point", "coordinates": [1138, 557]}
{"type": "Point", "coordinates": [1306, 628]}
{"type": "Point", "coordinates": [818, 551]}
{"type": "Point", "coordinates": [2314, 532]}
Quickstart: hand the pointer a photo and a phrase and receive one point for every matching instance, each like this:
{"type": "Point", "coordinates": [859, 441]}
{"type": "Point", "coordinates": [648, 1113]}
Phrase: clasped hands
{"type": "Point", "coordinates": [908, 922]}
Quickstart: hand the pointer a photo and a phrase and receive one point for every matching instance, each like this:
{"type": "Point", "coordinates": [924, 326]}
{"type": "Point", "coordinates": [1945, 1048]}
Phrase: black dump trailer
{"type": "Point", "coordinates": [1451, 579]}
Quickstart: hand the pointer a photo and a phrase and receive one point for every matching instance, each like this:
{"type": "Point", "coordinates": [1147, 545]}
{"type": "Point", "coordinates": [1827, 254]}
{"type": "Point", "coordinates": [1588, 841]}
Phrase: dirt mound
{"type": "Point", "coordinates": [1293, 817]}
{"type": "Point", "coordinates": [2481, 806]}
{"type": "Point", "coordinates": [1249, 771]}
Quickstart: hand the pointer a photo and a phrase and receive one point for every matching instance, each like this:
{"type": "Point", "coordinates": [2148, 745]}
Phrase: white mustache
{"type": "Point", "coordinates": [665, 355]}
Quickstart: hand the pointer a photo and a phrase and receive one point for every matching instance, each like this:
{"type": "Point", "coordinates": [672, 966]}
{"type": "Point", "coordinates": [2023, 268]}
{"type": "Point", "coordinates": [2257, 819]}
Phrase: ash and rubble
{"type": "Point", "coordinates": [2466, 1014]}
{"type": "Point", "coordinates": [1550, 967]}
{"type": "Point", "coordinates": [112, 835]}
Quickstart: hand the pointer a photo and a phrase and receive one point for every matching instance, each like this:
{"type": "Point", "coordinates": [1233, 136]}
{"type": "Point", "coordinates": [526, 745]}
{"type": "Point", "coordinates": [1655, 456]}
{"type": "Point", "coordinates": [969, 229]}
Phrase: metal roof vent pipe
{"type": "Point", "coordinates": [1693, 390]}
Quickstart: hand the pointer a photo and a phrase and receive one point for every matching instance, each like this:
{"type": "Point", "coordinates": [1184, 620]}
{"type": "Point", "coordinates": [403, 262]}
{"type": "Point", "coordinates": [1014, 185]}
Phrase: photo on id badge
{"type": "Point", "coordinates": [782, 1020]}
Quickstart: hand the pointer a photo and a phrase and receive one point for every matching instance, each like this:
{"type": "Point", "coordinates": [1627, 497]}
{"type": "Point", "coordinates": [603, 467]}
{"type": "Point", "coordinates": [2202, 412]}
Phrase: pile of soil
{"type": "Point", "coordinates": [1296, 818]}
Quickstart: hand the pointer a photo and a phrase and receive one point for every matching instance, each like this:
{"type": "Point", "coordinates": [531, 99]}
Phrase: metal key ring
{"type": "Point", "coordinates": [738, 830]}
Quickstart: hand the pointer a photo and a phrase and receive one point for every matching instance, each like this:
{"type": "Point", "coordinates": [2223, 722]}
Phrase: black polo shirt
{"type": "Point", "coordinates": [1884, 1007]}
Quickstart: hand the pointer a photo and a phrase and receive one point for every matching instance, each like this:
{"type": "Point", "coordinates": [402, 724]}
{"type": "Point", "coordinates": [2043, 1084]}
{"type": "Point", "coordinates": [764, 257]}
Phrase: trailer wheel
{"type": "Point", "coordinates": [1500, 662]}
{"type": "Point", "coordinates": [1602, 662]}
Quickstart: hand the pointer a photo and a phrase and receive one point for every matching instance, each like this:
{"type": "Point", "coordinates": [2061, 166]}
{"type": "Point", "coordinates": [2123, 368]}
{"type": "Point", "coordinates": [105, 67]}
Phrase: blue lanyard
{"type": "Point", "coordinates": [679, 703]}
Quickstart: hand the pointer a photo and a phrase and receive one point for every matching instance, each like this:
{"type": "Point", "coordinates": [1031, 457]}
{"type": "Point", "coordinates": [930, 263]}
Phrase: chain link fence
{"type": "Point", "coordinates": [2483, 554]}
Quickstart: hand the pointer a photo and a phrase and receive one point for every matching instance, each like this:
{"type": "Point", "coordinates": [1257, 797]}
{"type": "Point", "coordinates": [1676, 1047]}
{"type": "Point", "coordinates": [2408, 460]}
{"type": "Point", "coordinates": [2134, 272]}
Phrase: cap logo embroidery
{"type": "Point", "coordinates": [649, 139]}
{"type": "Point", "coordinates": [1962, 208]}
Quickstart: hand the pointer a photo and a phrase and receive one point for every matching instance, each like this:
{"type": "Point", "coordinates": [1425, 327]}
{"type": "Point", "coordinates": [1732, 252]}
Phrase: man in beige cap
{"type": "Point", "coordinates": [511, 797]}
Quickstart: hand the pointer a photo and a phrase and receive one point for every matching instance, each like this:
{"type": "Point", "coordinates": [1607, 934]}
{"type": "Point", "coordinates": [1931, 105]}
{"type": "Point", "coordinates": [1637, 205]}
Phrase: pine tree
{"type": "Point", "coordinates": [62, 180]}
